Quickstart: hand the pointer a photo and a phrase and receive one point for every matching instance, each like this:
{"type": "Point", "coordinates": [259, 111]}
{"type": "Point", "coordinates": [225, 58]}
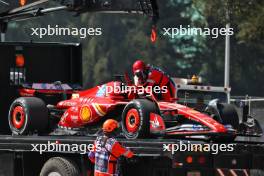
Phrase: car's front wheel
{"type": "Point", "coordinates": [225, 114]}
{"type": "Point", "coordinates": [136, 118]}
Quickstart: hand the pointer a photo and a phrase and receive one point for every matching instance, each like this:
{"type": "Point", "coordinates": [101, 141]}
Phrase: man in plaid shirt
{"type": "Point", "coordinates": [107, 150]}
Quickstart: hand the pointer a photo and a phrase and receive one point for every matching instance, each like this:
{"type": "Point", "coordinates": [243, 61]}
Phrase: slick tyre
{"type": "Point", "coordinates": [28, 114]}
{"type": "Point", "coordinates": [228, 115]}
{"type": "Point", "coordinates": [59, 166]}
{"type": "Point", "coordinates": [136, 118]}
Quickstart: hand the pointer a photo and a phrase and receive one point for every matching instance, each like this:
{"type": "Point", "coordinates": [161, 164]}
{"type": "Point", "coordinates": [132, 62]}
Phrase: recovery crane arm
{"type": "Point", "coordinates": [17, 10]}
{"type": "Point", "coordinates": [35, 8]}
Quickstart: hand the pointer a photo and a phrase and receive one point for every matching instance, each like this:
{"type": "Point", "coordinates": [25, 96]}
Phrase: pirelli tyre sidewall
{"type": "Point", "coordinates": [142, 108]}
{"type": "Point", "coordinates": [34, 116]}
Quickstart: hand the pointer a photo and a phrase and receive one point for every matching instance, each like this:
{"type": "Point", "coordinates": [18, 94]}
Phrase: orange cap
{"type": "Point", "coordinates": [110, 125]}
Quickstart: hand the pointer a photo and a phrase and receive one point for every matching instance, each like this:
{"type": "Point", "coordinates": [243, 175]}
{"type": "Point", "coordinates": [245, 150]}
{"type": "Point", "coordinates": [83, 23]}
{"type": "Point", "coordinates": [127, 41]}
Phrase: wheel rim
{"type": "Point", "coordinates": [132, 120]}
{"type": "Point", "coordinates": [18, 117]}
{"type": "Point", "coordinates": [54, 174]}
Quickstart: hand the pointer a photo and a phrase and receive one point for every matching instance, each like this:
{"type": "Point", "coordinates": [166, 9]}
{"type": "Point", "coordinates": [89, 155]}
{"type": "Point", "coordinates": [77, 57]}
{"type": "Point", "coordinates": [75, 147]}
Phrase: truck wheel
{"type": "Point", "coordinates": [27, 114]}
{"type": "Point", "coordinates": [135, 118]}
{"type": "Point", "coordinates": [59, 166]}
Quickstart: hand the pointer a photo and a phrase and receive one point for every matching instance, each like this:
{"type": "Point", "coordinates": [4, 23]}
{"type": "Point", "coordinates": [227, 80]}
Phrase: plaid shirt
{"type": "Point", "coordinates": [104, 157]}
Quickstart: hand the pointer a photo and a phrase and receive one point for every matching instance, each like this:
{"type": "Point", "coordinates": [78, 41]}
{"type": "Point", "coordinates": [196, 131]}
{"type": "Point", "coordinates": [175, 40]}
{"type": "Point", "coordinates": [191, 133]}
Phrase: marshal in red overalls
{"type": "Point", "coordinates": [149, 76]}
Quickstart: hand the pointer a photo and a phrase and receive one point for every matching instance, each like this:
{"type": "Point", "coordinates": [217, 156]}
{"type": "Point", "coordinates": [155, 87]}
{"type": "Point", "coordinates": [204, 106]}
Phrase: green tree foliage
{"type": "Point", "coordinates": [126, 38]}
{"type": "Point", "coordinates": [246, 17]}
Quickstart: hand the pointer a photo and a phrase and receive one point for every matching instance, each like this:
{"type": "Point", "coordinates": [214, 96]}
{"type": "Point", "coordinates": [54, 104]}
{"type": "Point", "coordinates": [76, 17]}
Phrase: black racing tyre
{"type": "Point", "coordinates": [28, 114]}
{"type": "Point", "coordinates": [225, 114]}
{"type": "Point", "coordinates": [228, 115]}
{"type": "Point", "coordinates": [136, 118]}
{"type": "Point", "coordinates": [59, 166]}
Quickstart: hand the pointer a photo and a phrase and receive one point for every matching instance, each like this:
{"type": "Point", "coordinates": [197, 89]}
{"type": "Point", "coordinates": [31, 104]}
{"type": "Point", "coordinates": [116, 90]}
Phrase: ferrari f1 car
{"type": "Point", "coordinates": [141, 115]}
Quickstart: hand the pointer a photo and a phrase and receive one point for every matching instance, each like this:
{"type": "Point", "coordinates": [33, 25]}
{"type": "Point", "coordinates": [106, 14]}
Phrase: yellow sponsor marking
{"type": "Point", "coordinates": [75, 95]}
{"type": "Point", "coordinates": [99, 109]}
{"type": "Point", "coordinates": [85, 113]}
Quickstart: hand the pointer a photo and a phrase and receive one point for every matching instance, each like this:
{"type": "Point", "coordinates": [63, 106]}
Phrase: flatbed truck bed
{"type": "Point", "coordinates": [148, 147]}
{"type": "Point", "coordinates": [151, 152]}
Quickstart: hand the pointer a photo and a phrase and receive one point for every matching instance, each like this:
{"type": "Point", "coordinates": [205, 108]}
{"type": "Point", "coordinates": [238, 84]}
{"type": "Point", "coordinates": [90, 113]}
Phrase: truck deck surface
{"type": "Point", "coordinates": [152, 147]}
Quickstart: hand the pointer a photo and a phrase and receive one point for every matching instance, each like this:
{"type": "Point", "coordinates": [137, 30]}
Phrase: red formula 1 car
{"type": "Point", "coordinates": [140, 116]}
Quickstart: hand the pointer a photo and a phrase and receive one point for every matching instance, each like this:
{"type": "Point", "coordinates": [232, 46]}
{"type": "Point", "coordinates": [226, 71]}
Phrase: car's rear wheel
{"type": "Point", "coordinates": [136, 117]}
{"type": "Point", "coordinates": [59, 166]}
{"type": "Point", "coordinates": [28, 114]}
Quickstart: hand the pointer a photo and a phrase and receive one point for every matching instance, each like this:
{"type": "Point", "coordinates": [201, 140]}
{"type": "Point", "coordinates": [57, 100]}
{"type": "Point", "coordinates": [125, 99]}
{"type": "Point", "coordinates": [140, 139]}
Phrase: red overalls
{"type": "Point", "coordinates": [157, 77]}
{"type": "Point", "coordinates": [105, 155]}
